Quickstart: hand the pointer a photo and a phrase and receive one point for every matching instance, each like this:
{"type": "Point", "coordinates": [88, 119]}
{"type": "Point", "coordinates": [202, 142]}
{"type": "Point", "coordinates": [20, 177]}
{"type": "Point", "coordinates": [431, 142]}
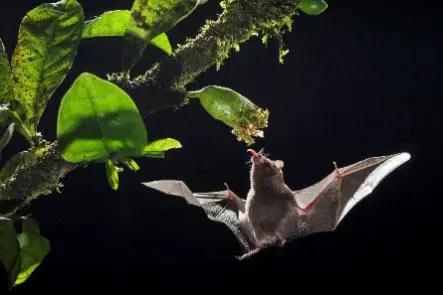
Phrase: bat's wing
{"type": "Point", "coordinates": [221, 206]}
{"type": "Point", "coordinates": [323, 205]}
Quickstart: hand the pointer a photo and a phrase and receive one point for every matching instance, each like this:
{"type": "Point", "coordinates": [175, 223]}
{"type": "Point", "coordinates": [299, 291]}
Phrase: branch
{"type": "Point", "coordinates": [164, 83]}
{"type": "Point", "coordinates": [33, 173]}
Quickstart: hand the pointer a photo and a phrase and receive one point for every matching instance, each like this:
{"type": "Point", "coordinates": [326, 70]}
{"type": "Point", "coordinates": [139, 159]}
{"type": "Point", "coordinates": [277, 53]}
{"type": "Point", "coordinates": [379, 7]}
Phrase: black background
{"type": "Point", "coordinates": [362, 79]}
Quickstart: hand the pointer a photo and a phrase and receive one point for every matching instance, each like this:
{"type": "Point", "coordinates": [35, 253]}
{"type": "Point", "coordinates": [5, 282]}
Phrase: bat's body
{"type": "Point", "coordinates": [269, 202]}
{"type": "Point", "coordinates": [273, 213]}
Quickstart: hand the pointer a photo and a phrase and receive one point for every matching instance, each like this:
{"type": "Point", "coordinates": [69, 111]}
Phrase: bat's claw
{"type": "Point", "coordinates": [231, 195]}
{"type": "Point", "coordinates": [338, 174]}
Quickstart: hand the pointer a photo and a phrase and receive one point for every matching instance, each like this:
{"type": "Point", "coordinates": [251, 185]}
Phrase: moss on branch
{"type": "Point", "coordinates": [239, 21]}
{"type": "Point", "coordinates": [31, 174]}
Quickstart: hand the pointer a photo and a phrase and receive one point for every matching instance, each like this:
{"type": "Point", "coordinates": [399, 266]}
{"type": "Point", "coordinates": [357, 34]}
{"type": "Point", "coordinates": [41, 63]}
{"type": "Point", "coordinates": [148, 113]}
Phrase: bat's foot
{"type": "Point", "coordinates": [338, 174]}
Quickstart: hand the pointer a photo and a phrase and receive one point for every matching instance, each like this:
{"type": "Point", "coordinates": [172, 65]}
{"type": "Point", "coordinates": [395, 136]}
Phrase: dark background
{"type": "Point", "coordinates": [362, 79]}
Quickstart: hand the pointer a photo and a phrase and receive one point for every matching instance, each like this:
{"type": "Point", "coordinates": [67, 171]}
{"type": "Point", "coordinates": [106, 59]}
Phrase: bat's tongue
{"type": "Point", "coordinates": [256, 157]}
{"type": "Point", "coordinates": [252, 153]}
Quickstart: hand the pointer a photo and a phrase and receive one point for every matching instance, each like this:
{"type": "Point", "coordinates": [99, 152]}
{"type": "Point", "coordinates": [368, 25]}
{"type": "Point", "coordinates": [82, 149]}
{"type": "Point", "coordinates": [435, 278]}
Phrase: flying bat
{"type": "Point", "coordinates": [272, 213]}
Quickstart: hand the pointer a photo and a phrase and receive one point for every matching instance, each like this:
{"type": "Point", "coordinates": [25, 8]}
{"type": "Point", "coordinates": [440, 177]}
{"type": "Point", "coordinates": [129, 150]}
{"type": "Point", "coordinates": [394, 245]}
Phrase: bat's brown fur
{"type": "Point", "coordinates": [270, 202]}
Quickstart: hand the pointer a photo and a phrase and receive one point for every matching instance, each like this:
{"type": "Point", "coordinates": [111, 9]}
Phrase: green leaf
{"type": "Point", "coordinates": [112, 174]}
{"type": "Point", "coordinates": [157, 148]}
{"type": "Point", "coordinates": [5, 76]}
{"type": "Point", "coordinates": [313, 7]}
{"type": "Point", "coordinates": [148, 19]}
{"type": "Point", "coordinates": [9, 116]}
{"type": "Point", "coordinates": [33, 249]}
{"type": "Point", "coordinates": [131, 164]}
{"type": "Point", "coordinates": [113, 24]}
{"type": "Point", "coordinates": [47, 43]}
{"type": "Point", "coordinates": [234, 110]}
{"type": "Point", "coordinates": [97, 121]}
{"type": "Point", "coordinates": [9, 248]}
{"type": "Point", "coordinates": [281, 55]}
{"type": "Point", "coordinates": [161, 41]}
{"type": "Point", "coordinates": [6, 137]}
{"type": "Point", "coordinates": [109, 24]}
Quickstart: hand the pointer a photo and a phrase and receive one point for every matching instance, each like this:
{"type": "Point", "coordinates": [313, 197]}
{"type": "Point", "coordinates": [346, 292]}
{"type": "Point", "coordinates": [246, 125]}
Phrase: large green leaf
{"type": "Point", "coordinates": [113, 24]}
{"type": "Point", "coordinates": [234, 110]}
{"type": "Point", "coordinates": [33, 249]}
{"type": "Point", "coordinates": [47, 43]}
{"type": "Point", "coordinates": [148, 19]}
{"type": "Point", "coordinates": [5, 76]}
{"type": "Point", "coordinates": [97, 121]}
{"type": "Point", "coordinates": [9, 248]}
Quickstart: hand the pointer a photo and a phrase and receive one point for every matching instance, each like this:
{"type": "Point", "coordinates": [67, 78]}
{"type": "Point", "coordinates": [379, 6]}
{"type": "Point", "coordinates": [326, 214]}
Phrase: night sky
{"type": "Point", "coordinates": [363, 79]}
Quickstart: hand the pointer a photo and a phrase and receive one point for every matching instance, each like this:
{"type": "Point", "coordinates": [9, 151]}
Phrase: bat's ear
{"type": "Point", "coordinates": [280, 164]}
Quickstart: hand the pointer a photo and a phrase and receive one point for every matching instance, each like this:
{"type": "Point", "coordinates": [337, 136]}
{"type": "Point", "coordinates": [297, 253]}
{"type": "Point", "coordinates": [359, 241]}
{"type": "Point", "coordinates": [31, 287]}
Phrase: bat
{"type": "Point", "coordinates": [272, 213]}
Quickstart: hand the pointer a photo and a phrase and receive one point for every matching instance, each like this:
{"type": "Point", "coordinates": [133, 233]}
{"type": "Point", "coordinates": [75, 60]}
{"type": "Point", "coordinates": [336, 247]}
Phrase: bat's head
{"type": "Point", "coordinates": [264, 169]}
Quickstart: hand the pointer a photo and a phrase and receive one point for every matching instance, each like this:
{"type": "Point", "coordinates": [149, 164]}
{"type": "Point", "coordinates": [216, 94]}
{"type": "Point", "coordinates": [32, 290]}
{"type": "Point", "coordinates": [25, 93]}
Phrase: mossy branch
{"type": "Point", "coordinates": [36, 172]}
{"type": "Point", "coordinates": [164, 84]}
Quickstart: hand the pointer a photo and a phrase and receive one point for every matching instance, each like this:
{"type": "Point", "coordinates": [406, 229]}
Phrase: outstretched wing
{"type": "Point", "coordinates": [323, 205]}
{"type": "Point", "coordinates": [221, 206]}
